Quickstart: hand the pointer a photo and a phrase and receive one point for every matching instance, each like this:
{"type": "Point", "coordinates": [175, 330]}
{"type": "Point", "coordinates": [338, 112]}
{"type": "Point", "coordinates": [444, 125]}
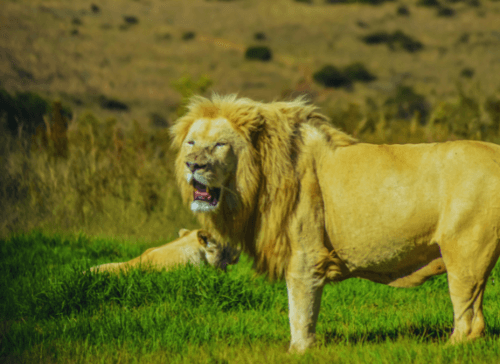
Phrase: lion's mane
{"type": "Point", "coordinates": [266, 179]}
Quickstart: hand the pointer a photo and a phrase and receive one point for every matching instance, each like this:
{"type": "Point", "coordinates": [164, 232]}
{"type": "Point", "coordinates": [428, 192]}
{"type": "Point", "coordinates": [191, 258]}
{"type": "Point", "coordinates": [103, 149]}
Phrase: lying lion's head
{"type": "Point", "coordinates": [211, 251]}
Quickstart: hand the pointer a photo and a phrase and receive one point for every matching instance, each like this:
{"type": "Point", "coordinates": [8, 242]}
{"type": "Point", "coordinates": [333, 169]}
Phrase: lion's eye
{"type": "Point", "coordinates": [220, 144]}
{"type": "Point", "coordinates": [191, 142]}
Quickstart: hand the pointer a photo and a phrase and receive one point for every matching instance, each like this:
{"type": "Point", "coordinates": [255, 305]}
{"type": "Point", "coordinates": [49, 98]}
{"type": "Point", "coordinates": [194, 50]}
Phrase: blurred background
{"type": "Point", "coordinates": [88, 90]}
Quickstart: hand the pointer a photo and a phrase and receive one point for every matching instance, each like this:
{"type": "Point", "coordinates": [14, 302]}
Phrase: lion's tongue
{"type": "Point", "coordinates": [201, 192]}
{"type": "Point", "coordinates": [201, 195]}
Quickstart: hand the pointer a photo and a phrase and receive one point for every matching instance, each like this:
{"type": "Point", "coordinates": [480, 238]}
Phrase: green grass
{"type": "Point", "coordinates": [51, 312]}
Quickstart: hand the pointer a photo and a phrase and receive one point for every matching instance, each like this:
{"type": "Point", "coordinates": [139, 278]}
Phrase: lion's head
{"type": "Point", "coordinates": [236, 170]}
{"type": "Point", "coordinates": [217, 167]}
{"type": "Point", "coordinates": [209, 249]}
{"type": "Point", "coordinates": [210, 158]}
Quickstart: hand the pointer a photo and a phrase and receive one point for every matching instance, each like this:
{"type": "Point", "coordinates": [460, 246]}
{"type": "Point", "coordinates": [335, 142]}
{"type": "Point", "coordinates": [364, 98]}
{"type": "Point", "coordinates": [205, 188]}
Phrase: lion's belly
{"type": "Point", "coordinates": [387, 208]}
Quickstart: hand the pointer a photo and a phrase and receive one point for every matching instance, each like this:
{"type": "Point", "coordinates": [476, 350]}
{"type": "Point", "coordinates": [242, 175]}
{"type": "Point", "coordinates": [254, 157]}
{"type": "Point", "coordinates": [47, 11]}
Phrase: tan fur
{"type": "Point", "coordinates": [195, 247]}
{"type": "Point", "coordinates": [257, 178]}
{"type": "Point", "coordinates": [310, 203]}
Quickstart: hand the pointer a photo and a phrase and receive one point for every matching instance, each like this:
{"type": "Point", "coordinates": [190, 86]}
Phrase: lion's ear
{"type": "Point", "coordinates": [183, 232]}
{"type": "Point", "coordinates": [204, 237]}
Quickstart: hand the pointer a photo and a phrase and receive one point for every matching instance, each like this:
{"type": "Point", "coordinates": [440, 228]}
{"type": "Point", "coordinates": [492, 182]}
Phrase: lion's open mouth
{"type": "Point", "coordinates": [206, 194]}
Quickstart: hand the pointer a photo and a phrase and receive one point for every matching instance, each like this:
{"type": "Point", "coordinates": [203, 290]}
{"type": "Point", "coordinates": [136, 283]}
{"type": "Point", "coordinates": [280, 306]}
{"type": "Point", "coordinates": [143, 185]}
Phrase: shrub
{"type": "Point", "coordinates": [400, 39]}
{"type": "Point", "coordinates": [464, 38]}
{"type": "Point", "coordinates": [370, 2]}
{"type": "Point", "coordinates": [188, 35]}
{"type": "Point", "coordinates": [396, 40]}
{"type": "Point", "coordinates": [157, 120]}
{"type": "Point", "coordinates": [492, 107]}
{"type": "Point", "coordinates": [25, 111]}
{"type": "Point", "coordinates": [428, 3]}
{"type": "Point", "coordinates": [112, 104]}
{"type": "Point", "coordinates": [130, 19]}
{"type": "Point", "coordinates": [467, 72]}
{"type": "Point", "coordinates": [331, 76]}
{"type": "Point", "coordinates": [377, 38]}
{"type": "Point", "coordinates": [406, 102]}
{"type": "Point", "coordinates": [260, 53]}
{"type": "Point", "coordinates": [461, 117]}
{"type": "Point", "coordinates": [358, 72]}
{"type": "Point", "coordinates": [362, 24]}
{"type": "Point", "coordinates": [260, 36]}
{"type": "Point", "coordinates": [445, 12]}
{"type": "Point", "coordinates": [403, 10]}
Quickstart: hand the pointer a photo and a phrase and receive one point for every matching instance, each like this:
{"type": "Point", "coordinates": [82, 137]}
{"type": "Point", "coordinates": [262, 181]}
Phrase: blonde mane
{"type": "Point", "coordinates": [266, 172]}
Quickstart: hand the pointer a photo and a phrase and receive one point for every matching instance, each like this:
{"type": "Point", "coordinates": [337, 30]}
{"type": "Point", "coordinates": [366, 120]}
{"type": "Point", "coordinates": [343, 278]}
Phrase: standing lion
{"type": "Point", "coordinates": [310, 203]}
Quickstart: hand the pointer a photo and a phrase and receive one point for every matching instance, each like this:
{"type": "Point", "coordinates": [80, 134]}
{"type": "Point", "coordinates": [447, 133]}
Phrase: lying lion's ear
{"type": "Point", "coordinates": [203, 237]}
{"type": "Point", "coordinates": [183, 232]}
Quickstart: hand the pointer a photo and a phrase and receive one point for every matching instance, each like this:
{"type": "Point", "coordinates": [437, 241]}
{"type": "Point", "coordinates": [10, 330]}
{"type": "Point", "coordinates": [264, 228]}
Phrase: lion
{"type": "Point", "coordinates": [195, 247]}
{"type": "Point", "coordinates": [312, 204]}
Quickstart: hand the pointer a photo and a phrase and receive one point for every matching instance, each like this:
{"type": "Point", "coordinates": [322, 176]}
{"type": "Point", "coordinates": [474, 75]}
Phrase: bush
{"type": "Point", "coordinates": [445, 12]}
{"type": "Point", "coordinates": [406, 102]}
{"type": "Point", "coordinates": [130, 19]}
{"type": "Point", "coordinates": [358, 72]}
{"type": "Point", "coordinates": [397, 39]}
{"type": "Point", "coordinates": [24, 111]}
{"type": "Point", "coordinates": [331, 76]}
{"type": "Point", "coordinates": [400, 39]}
{"type": "Point", "coordinates": [467, 72]}
{"type": "Point", "coordinates": [403, 10]}
{"type": "Point", "coordinates": [370, 2]}
{"type": "Point", "coordinates": [377, 38]}
{"type": "Point", "coordinates": [260, 53]}
{"type": "Point", "coordinates": [492, 107]}
{"type": "Point", "coordinates": [188, 35]}
{"type": "Point", "coordinates": [112, 104]}
{"type": "Point", "coordinates": [428, 3]}
{"type": "Point", "coordinates": [260, 36]}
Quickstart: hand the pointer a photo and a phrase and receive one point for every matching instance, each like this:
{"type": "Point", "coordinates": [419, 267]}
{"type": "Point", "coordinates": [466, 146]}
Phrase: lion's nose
{"type": "Point", "coordinates": [193, 167]}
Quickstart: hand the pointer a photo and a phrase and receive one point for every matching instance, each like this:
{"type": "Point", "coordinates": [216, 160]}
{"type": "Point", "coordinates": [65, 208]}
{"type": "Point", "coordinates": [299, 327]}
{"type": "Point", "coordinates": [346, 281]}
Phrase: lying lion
{"type": "Point", "coordinates": [312, 204]}
{"type": "Point", "coordinates": [195, 247]}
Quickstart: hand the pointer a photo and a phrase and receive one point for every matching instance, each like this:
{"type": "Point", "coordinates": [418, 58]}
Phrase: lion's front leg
{"type": "Point", "coordinates": [304, 300]}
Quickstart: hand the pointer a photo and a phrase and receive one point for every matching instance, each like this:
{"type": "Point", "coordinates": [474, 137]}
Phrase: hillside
{"type": "Point", "coordinates": [133, 52]}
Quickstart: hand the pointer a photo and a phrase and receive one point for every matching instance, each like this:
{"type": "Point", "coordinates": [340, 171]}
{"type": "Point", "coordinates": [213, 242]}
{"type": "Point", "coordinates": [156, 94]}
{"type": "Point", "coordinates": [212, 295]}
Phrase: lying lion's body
{"type": "Point", "coordinates": [195, 247]}
{"type": "Point", "coordinates": [310, 203]}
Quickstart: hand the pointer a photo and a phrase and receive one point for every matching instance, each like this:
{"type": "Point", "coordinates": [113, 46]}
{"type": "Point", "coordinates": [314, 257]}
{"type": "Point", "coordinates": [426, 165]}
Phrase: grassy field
{"type": "Point", "coordinates": [52, 313]}
{"type": "Point", "coordinates": [124, 68]}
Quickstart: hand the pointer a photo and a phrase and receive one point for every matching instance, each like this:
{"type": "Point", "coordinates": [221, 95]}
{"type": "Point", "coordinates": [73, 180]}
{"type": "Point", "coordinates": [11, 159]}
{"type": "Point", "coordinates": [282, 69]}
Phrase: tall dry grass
{"type": "Point", "coordinates": [97, 177]}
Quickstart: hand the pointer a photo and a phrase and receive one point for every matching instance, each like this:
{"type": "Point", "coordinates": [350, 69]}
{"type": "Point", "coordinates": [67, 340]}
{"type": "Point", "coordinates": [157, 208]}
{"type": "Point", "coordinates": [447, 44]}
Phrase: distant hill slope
{"type": "Point", "coordinates": [132, 51]}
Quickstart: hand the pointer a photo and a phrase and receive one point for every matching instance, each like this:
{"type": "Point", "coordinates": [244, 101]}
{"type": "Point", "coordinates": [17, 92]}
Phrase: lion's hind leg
{"type": "Point", "coordinates": [469, 263]}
